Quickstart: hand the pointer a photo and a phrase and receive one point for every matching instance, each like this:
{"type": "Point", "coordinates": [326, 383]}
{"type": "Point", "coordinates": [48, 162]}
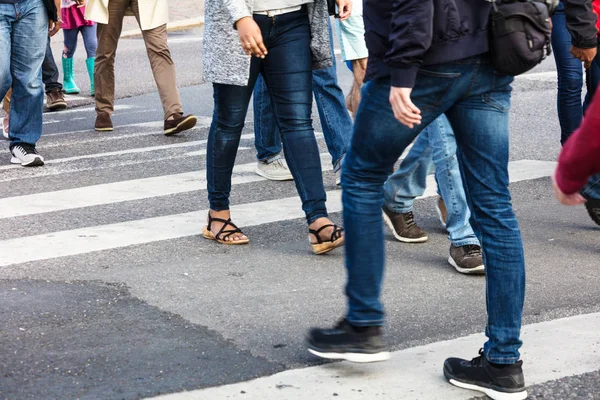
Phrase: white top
{"type": "Point", "coordinates": [267, 5]}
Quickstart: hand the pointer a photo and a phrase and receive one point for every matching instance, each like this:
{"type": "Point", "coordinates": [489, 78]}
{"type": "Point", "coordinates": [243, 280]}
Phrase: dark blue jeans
{"type": "Point", "coordinates": [476, 101]}
{"type": "Point", "coordinates": [287, 71]}
{"type": "Point", "coordinates": [570, 83]}
{"type": "Point", "coordinates": [335, 120]}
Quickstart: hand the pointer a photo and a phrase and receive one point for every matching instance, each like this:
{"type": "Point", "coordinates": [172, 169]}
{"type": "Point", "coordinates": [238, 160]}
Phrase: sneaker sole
{"type": "Point", "coordinates": [57, 107]}
{"type": "Point", "coordinates": [273, 178]}
{"type": "Point", "coordinates": [37, 162]}
{"type": "Point", "coordinates": [104, 129]}
{"type": "Point", "coordinates": [402, 239]}
{"type": "Point", "coordinates": [354, 357]}
{"type": "Point", "coordinates": [480, 270]}
{"type": "Point", "coordinates": [491, 393]}
{"type": "Point", "coordinates": [591, 213]}
{"type": "Point", "coordinates": [184, 125]}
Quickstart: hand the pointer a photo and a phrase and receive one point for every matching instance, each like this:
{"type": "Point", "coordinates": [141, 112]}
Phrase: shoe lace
{"type": "Point", "coordinates": [409, 218]}
{"type": "Point", "coordinates": [472, 250]}
{"type": "Point", "coordinates": [27, 148]}
{"type": "Point", "coordinates": [477, 360]}
{"type": "Point", "coordinates": [278, 163]}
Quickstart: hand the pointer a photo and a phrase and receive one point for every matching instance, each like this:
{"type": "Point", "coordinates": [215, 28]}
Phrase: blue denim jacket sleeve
{"type": "Point", "coordinates": [411, 35]}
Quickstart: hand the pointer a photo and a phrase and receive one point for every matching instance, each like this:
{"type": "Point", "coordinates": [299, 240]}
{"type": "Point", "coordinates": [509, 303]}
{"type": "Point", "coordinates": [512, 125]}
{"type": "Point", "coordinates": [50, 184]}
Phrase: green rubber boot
{"type": "Point", "coordinates": [90, 68]}
{"type": "Point", "coordinates": [69, 85]}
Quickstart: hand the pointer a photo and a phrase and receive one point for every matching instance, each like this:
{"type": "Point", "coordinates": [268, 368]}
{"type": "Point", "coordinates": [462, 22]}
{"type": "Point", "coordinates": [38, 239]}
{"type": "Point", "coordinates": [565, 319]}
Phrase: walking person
{"type": "Point", "coordinates": [283, 40]}
{"type": "Point", "coordinates": [73, 24]}
{"type": "Point", "coordinates": [24, 28]}
{"type": "Point", "coordinates": [335, 122]}
{"type": "Point", "coordinates": [425, 60]}
{"type": "Point", "coordinates": [152, 17]}
{"type": "Point", "coordinates": [575, 40]}
{"type": "Point", "coordinates": [435, 146]}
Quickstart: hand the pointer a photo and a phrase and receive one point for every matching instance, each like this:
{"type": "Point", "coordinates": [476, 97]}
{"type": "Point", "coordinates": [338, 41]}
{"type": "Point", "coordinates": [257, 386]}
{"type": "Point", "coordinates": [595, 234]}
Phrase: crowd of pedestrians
{"type": "Point", "coordinates": [436, 90]}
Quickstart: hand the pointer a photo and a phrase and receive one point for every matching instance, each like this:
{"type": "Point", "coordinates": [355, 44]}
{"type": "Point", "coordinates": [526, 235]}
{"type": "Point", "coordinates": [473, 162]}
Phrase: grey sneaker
{"type": "Point", "coordinates": [274, 171]}
{"type": "Point", "coordinates": [467, 259]}
{"type": "Point", "coordinates": [442, 212]}
{"type": "Point", "coordinates": [403, 226]}
{"type": "Point", "coordinates": [26, 155]}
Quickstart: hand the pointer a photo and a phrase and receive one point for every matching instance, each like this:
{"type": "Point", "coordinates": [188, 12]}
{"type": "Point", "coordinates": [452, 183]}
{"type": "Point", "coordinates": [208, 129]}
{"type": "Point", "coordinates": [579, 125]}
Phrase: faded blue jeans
{"type": "Point", "coordinates": [23, 40]}
{"type": "Point", "coordinates": [436, 145]}
{"type": "Point", "coordinates": [476, 101]}
{"type": "Point", "coordinates": [335, 120]}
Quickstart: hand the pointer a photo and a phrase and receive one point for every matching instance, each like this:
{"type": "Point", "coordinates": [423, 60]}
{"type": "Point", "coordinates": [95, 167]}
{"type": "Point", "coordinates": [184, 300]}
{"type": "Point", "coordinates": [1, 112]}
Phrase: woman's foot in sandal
{"type": "Point", "coordinates": [221, 229]}
{"type": "Point", "coordinates": [325, 236]}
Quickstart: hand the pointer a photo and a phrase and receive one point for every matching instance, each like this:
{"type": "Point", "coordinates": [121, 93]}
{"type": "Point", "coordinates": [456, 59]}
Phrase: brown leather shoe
{"type": "Point", "coordinates": [55, 100]}
{"type": "Point", "coordinates": [103, 122]}
{"type": "Point", "coordinates": [403, 226]}
{"type": "Point", "coordinates": [179, 123]}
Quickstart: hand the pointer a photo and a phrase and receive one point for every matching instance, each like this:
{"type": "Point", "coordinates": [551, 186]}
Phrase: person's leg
{"type": "Point", "coordinates": [70, 46]}
{"type": "Point", "coordinates": [104, 70]}
{"type": "Point", "coordinates": [403, 187]}
{"type": "Point", "coordinates": [480, 123]}
{"type": "Point", "coordinates": [288, 75]}
{"type": "Point", "coordinates": [267, 138]}
{"type": "Point", "coordinates": [592, 190]}
{"type": "Point", "coordinates": [331, 105]}
{"type": "Point", "coordinates": [7, 17]}
{"type": "Point", "coordinates": [50, 71]}
{"type": "Point", "coordinates": [570, 76]}
{"type": "Point", "coordinates": [90, 42]}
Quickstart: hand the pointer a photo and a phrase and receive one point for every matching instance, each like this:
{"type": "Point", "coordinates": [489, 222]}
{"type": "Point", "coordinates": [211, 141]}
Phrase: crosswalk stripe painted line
{"type": "Point", "coordinates": [552, 350]}
{"type": "Point", "coordinates": [116, 192]}
{"type": "Point", "coordinates": [112, 236]}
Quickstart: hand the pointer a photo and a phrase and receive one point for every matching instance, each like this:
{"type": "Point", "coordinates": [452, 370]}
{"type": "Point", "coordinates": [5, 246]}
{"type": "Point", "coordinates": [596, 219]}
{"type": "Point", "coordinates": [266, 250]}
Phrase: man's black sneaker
{"type": "Point", "coordinates": [346, 342]}
{"type": "Point", "coordinates": [26, 155]}
{"type": "Point", "coordinates": [499, 382]}
{"type": "Point", "coordinates": [593, 208]}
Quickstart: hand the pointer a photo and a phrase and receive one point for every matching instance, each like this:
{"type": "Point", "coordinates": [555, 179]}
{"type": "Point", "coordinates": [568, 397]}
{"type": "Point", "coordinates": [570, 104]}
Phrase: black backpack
{"type": "Point", "coordinates": [519, 34]}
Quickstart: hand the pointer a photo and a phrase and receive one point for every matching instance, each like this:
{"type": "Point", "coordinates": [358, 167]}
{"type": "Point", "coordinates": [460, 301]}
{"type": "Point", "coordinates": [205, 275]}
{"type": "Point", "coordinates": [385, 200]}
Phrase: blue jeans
{"type": "Point", "coordinates": [436, 145]}
{"type": "Point", "coordinates": [23, 40]}
{"type": "Point", "coordinates": [476, 101]}
{"type": "Point", "coordinates": [88, 33]}
{"type": "Point", "coordinates": [287, 72]}
{"type": "Point", "coordinates": [335, 120]}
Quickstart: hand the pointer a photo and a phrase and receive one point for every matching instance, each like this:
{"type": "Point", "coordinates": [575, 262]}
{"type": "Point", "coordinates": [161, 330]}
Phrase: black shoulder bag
{"type": "Point", "coordinates": [519, 34]}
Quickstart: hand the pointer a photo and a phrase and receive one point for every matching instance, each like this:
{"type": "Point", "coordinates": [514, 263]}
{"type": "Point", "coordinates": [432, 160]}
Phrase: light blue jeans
{"type": "Point", "coordinates": [436, 145]}
{"type": "Point", "coordinates": [23, 40]}
{"type": "Point", "coordinates": [335, 119]}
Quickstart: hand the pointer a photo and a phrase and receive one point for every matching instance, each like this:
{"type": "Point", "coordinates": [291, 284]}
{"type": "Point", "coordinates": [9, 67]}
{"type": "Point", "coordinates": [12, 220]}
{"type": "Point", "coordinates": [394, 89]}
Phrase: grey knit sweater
{"type": "Point", "coordinates": [224, 61]}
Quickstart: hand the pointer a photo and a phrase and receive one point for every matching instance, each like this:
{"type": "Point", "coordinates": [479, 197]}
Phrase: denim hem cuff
{"type": "Point", "coordinates": [398, 210]}
{"type": "Point", "coordinates": [270, 159]}
{"type": "Point", "coordinates": [372, 322]}
{"type": "Point", "coordinates": [225, 208]}
{"type": "Point", "coordinates": [502, 360]}
{"type": "Point", "coordinates": [460, 243]}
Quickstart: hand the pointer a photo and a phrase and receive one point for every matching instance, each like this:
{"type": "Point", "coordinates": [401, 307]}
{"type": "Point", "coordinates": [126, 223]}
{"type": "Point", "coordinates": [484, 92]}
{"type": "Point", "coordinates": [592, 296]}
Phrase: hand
{"type": "Point", "coordinates": [404, 109]}
{"type": "Point", "coordinates": [344, 8]}
{"type": "Point", "coordinates": [53, 27]}
{"type": "Point", "coordinates": [251, 38]}
{"type": "Point", "coordinates": [566, 199]}
{"type": "Point", "coordinates": [80, 3]}
{"type": "Point", "coordinates": [585, 55]}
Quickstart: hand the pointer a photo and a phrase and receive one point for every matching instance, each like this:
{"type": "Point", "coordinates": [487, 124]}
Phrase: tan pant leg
{"type": "Point", "coordinates": [6, 101]}
{"type": "Point", "coordinates": [104, 69]}
{"type": "Point", "coordinates": [163, 67]}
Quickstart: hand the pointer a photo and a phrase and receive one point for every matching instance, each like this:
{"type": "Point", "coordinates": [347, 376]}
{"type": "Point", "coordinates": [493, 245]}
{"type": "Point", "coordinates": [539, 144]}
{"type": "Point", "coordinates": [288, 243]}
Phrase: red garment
{"type": "Point", "coordinates": [596, 8]}
{"type": "Point", "coordinates": [580, 156]}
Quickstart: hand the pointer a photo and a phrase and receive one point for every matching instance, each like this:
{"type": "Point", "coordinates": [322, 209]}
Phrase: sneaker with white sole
{"type": "Point", "coordinates": [467, 259]}
{"type": "Point", "coordinates": [275, 170]}
{"type": "Point", "coordinates": [26, 155]}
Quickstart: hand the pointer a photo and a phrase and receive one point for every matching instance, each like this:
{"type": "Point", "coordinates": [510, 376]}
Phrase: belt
{"type": "Point", "coordinates": [272, 13]}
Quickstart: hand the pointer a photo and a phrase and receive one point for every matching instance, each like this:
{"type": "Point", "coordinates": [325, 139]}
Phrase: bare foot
{"type": "Point", "coordinates": [216, 226]}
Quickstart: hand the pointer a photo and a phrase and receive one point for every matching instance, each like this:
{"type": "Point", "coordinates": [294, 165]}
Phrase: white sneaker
{"type": "Point", "coordinates": [274, 171]}
{"type": "Point", "coordinates": [4, 125]}
{"type": "Point", "coordinates": [26, 155]}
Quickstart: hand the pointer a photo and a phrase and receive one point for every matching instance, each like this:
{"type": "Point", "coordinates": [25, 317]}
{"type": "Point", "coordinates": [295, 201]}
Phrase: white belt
{"type": "Point", "coordinates": [272, 13]}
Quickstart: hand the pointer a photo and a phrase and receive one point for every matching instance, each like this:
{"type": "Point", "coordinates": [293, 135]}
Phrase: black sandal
{"type": "Point", "coordinates": [223, 234]}
{"type": "Point", "coordinates": [325, 246]}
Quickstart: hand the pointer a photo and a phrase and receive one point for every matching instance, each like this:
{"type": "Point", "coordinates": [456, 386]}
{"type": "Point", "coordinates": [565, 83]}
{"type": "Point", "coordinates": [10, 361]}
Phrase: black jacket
{"type": "Point", "coordinates": [581, 23]}
{"type": "Point", "coordinates": [52, 11]}
{"type": "Point", "coordinates": [402, 35]}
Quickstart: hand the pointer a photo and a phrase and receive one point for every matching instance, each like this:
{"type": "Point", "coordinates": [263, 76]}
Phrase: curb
{"type": "Point", "coordinates": [171, 27]}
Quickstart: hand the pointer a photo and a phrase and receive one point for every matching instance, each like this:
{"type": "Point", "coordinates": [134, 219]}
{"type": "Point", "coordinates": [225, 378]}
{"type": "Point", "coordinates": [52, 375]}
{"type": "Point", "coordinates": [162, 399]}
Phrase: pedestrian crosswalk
{"type": "Point", "coordinates": [136, 166]}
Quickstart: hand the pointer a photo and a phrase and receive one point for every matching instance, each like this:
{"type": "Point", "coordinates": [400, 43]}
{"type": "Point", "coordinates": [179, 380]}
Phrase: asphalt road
{"type": "Point", "coordinates": [100, 300]}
